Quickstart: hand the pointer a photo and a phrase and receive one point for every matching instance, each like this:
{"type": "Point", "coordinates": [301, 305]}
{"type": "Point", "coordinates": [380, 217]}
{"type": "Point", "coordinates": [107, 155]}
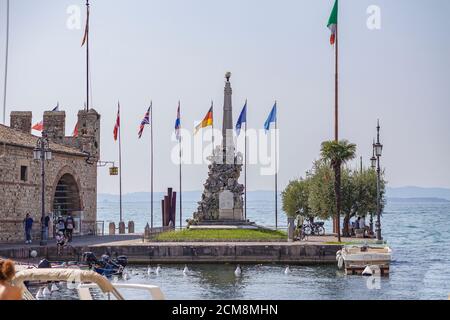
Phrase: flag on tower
{"type": "Point", "coordinates": [75, 131]}
{"type": "Point", "coordinates": [40, 125]}
{"type": "Point", "coordinates": [117, 125]}
{"type": "Point", "coordinates": [178, 123]}
{"type": "Point", "coordinates": [332, 22]}
{"type": "Point", "coordinates": [145, 121]}
{"type": "Point", "coordinates": [207, 122]}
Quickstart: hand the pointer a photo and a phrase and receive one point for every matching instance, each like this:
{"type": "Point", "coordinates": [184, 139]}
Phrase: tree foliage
{"type": "Point", "coordinates": [315, 194]}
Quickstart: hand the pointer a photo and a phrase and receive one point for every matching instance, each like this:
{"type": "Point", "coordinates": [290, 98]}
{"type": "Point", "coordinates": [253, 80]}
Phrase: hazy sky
{"type": "Point", "coordinates": [170, 50]}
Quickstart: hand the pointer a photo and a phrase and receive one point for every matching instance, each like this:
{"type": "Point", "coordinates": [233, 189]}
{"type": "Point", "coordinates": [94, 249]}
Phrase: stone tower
{"type": "Point", "coordinates": [222, 199]}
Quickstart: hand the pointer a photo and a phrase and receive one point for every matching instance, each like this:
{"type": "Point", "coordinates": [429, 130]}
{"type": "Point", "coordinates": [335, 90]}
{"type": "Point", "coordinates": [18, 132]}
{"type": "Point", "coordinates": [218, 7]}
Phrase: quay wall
{"type": "Point", "coordinates": [201, 253]}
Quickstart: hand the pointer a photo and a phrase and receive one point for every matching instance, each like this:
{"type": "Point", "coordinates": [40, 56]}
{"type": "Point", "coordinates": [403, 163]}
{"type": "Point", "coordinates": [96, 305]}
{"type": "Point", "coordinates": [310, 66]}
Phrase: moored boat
{"type": "Point", "coordinates": [365, 259]}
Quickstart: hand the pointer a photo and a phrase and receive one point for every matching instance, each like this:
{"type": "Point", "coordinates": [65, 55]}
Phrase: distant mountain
{"type": "Point", "coordinates": [393, 194]}
{"type": "Point", "coordinates": [409, 200]}
{"type": "Point", "coordinates": [418, 192]}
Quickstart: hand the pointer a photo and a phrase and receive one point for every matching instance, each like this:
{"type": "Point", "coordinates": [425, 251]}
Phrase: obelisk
{"type": "Point", "coordinates": [227, 125]}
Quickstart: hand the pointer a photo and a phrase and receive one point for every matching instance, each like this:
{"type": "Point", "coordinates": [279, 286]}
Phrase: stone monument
{"type": "Point", "coordinates": [222, 199]}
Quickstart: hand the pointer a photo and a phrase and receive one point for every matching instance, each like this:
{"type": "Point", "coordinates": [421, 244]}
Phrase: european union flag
{"type": "Point", "coordinates": [242, 119]}
{"type": "Point", "coordinates": [272, 118]}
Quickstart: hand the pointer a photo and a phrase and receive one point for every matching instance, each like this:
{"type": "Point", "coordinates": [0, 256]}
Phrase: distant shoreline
{"type": "Point", "coordinates": [425, 199]}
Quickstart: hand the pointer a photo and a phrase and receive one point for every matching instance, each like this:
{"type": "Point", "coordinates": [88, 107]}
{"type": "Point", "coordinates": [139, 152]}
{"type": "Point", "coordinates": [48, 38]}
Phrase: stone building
{"type": "Point", "coordinates": [70, 176]}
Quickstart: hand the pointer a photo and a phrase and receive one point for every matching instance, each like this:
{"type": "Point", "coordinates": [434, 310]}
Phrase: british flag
{"type": "Point", "coordinates": [145, 121]}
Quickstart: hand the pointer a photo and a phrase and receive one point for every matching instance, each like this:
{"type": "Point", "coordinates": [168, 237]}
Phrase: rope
{"type": "Point", "coordinates": [6, 62]}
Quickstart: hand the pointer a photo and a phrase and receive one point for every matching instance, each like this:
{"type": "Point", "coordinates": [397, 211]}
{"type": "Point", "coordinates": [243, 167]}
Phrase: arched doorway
{"type": "Point", "coordinates": [67, 196]}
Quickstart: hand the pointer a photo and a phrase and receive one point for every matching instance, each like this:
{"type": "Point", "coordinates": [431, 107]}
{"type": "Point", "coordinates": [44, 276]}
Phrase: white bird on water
{"type": "Point", "coordinates": [186, 270]}
{"type": "Point", "coordinates": [149, 271]}
{"type": "Point", "coordinates": [46, 292]}
{"type": "Point", "coordinates": [158, 269]}
{"type": "Point", "coordinates": [287, 270]}
{"type": "Point", "coordinates": [39, 294]}
{"type": "Point", "coordinates": [54, 287]}
{"type": "Point", "coordinates": [126, 276]}
{"type": "Point", "coordinates": [238, 271]}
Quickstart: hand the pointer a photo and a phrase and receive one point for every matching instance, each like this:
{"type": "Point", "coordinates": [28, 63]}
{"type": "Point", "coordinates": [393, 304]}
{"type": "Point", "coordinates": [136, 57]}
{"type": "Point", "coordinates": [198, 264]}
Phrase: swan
{"type": "Point", "coordinates": [186, 270]}
{"type": "Point", "coordinates": [158, 269]}
{"type": "Point", "coordinates": [238, 271]}
{"type": "Point", "coordinates": [287, 270]}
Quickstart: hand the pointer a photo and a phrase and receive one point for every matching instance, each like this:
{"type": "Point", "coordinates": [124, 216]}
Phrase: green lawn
{"type": "Point", "coordinates": [222, 235]}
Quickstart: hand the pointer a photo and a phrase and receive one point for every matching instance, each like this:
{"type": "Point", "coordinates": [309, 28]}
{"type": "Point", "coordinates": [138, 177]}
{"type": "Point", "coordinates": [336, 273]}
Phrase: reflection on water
{"type": "Point", "coordinates": [419, 234]}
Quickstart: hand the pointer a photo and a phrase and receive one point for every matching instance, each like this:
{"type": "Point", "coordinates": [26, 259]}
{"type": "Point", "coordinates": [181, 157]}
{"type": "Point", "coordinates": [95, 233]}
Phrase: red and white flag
{"type": "Point", "coordinates": [117, 126]}
{"type": "Point", "coordinates": [38, 126]}
{"type": "Point", "coordinates": [75, 131]}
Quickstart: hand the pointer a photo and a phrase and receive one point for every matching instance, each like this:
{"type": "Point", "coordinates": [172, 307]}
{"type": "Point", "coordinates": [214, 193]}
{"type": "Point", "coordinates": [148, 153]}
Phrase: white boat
{"type": "Point", "coordinates": [358, 259]}
{"type": "Point", "coordinates": [82, 281]}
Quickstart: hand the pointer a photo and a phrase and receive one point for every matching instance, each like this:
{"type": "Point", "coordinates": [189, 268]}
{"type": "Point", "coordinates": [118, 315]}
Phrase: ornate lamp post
{"type": "Point", "coordinates": [41, 153]}
{"type": "Point", "coordinates": [373, 165]}
{"type": "Point", "coordinates": [378, 150]}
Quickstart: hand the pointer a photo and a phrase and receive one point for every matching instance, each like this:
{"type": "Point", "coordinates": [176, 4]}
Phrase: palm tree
{"type": "Point", "coordinates": [338, 153]}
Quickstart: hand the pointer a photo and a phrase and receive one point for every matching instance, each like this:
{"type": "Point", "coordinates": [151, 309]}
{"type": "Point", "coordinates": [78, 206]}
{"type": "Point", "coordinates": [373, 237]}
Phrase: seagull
{"type": "Point", "coordinates": [158, 269]}
{"type": "Point", "coordinates": [149, 271]}
{"type": "Point", "coordinates": [287, 270]}
{"type": "Point", "coordinates": [126, 276]}
{"type": "Point", "coordinates": [186, 270]}
{"type": "Point", "coordinates": [39, 294]}
{"type": "Point", "coordinates": [46, 291]}
{"type": "Point", "coordinates": [238, 271]}
{"type": "Point", "coordinates": [54, 287]}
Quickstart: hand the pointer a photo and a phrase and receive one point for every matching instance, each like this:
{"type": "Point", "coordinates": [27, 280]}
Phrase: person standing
{"type": "Point", "coordinates": [70, 225]}
{"type": "Point", "coordinates": [46, 223]}
{"type": "Point", "coordinates": [28, 225]}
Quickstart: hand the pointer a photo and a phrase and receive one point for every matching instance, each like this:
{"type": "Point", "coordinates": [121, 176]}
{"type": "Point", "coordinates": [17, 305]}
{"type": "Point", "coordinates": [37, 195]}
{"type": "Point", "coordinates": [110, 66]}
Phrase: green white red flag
{"type": "Point", "coordinates": [333, 22]}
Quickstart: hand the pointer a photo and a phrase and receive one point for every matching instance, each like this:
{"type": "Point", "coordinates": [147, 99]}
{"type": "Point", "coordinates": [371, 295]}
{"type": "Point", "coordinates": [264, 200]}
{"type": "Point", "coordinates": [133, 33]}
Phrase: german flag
{"type": "Point", "coordinates": [208, 121]}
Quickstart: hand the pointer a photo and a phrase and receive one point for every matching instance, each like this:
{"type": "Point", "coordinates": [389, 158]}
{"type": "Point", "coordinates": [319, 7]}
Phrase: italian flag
{"type": "Point", "coordinates": [332, 23]}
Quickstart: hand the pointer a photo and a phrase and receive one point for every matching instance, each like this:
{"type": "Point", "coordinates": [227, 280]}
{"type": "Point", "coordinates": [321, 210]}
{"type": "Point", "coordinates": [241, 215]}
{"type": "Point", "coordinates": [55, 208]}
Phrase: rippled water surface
{"type": "Point", "coordinates": [418, 232]}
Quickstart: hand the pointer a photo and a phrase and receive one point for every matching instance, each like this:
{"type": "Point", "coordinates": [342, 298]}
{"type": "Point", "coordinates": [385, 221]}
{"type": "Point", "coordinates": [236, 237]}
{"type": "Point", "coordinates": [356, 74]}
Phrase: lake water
{"type": "Point", "coordinates": [418, 232]}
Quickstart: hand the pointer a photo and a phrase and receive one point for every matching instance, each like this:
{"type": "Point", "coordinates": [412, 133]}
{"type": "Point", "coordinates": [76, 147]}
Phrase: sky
{"type": "Point", "coordinates": [170, 50]}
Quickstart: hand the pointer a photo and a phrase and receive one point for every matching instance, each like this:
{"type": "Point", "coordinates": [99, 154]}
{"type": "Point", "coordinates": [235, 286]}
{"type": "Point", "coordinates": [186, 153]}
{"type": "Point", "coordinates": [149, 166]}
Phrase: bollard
{"type": "Point", "coordinates": [291, 229]}
{"type": "Point", "coordinates": [112, 228]}
{"type": "Point", "coordinates": [147, 232]}
{"type": "Point", "coordinates": [131, 227]}
{"type": "Point", "coordinates": [122, 227]}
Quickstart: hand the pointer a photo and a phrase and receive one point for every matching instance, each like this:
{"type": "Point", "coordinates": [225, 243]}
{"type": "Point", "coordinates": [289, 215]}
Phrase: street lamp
{"type": "Point", "coordinates": [378, 150]}
{"type": "Point", "coordinates": [42, 153]}
{"type": "Point", "coordinates": [373, 160]}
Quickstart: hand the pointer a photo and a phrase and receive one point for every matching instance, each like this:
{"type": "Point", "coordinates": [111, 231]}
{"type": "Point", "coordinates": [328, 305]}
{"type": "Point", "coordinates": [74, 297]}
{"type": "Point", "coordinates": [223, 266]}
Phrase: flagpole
{"type": "Point", "coordinates": [87, 56]}
{"type": "Point", "coordinates": [276, 170]}
{"type": "Point", "coordinates": [245, 168]}
{"type": "Point", "coordinates": [6, 62]}
{"type": "Point", "coordinates": [181, 190]}
{"type": "Point", "coordinates": [213, 146]}
{"type": "Point", "coordinates": [336, 109]}
{"type": "Point", "coordinates": [151, 160]}
{"type": "Point", "coordinates": [120, 166]}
